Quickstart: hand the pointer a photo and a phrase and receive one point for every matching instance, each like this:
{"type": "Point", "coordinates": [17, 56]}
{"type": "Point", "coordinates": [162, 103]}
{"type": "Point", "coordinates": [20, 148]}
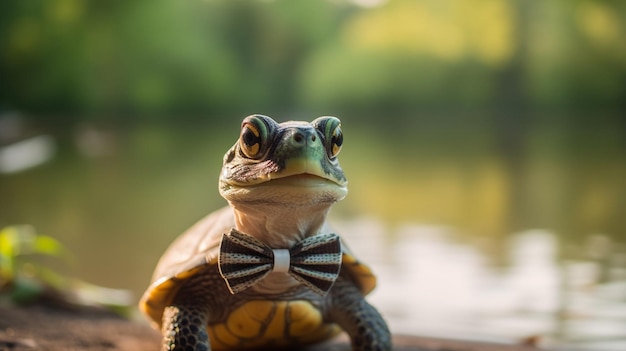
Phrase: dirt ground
{"type": "Point", "coordinates": [55, 329]}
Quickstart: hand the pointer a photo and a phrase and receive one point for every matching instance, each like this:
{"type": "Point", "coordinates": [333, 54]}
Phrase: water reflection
{"type": "Point", "coordinates": [430, 284]}
{"type": "Point", "coordinates": [118, 197]}
{"type": "Point", "coordinates": [26, 154]}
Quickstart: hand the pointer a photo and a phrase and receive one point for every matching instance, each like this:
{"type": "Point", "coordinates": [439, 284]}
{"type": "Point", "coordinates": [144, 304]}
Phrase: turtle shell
{"type": "Point", "coordinates": [198, 247]}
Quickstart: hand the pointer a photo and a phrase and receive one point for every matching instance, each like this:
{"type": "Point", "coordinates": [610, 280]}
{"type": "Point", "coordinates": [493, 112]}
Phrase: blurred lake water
{"type": "Point", "coordinates": [471, 237]}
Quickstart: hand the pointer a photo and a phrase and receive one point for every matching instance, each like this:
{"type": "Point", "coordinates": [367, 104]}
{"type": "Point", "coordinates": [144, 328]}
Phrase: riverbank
{"type": "Point", "coordinates": [91, 329]}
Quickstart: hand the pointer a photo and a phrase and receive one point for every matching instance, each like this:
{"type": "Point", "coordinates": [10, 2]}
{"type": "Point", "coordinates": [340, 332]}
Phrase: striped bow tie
{"type": "Point", "coordinates": [314, 261]}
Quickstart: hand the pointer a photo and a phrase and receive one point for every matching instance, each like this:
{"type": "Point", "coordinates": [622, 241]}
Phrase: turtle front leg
{"type": "Point", "coordinates": [365, 326]}
{"type": "Point", "coordinates": [185, 328]}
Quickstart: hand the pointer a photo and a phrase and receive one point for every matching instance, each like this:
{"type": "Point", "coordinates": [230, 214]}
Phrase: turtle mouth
{"type": "Point", "coordinates": [301, 179]}
{"type": "Point", "coordinates": [292, 190]}
{"type": "Point", "coordinates": [302, 173]}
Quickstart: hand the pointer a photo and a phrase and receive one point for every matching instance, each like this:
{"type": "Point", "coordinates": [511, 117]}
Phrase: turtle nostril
{"type": "Point", "coordinates": [313, 138]}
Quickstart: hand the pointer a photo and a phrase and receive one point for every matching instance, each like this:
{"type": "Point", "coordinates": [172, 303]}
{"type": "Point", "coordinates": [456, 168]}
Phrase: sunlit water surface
{"type": "Point", "coordinates": [430, 284]}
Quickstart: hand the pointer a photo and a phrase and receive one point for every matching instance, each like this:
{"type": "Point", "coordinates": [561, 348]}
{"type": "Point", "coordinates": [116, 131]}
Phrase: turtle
{"type": "Point", "coordinates": [268, 271]}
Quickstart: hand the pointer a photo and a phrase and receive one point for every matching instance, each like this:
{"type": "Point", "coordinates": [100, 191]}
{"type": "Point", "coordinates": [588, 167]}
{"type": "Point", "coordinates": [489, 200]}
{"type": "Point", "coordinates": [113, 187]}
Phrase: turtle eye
{"type": "Point", "coordinates": [250, 140]}
{"type": "Point", "coordinates": [336, 140]}
{"type": "Point", "coordinates": [330, 127]}
{"type": "Point", "coordinates": [255, 132]}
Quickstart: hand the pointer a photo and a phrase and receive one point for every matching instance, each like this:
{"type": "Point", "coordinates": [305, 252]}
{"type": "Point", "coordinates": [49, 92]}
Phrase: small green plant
{"type": "Point", "coordinates": [24, 278]}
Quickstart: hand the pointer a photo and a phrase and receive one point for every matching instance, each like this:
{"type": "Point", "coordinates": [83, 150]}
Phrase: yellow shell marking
{"type": "Point", "coordinates": [303, 318]}
{"type": "Point", "coordinates": [364, 278]}
{"type": "Point", "coordinates": [247, 321]}
{"type": "Point", "coordinates": [221, 338]}
{"type": "Point", "coordinates": [263, 323]}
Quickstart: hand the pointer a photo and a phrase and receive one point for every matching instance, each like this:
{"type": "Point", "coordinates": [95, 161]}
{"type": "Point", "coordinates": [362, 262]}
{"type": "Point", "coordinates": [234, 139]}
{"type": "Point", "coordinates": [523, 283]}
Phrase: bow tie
{"type": "Point", "coordinates": [244, 260]}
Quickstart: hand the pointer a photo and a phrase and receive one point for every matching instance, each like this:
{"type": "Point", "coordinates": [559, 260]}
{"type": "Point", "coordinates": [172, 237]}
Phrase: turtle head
{"type": "Point", "coordinates": [291, 163]}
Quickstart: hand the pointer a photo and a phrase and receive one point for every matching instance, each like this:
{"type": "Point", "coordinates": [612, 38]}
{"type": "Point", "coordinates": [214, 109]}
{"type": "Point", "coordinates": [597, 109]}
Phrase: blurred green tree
{"type": "Point", "coordinates": [168, 58]}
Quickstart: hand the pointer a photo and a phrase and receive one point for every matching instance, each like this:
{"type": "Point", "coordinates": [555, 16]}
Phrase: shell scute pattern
{"type": "Point", "coordinates": [262, 323]}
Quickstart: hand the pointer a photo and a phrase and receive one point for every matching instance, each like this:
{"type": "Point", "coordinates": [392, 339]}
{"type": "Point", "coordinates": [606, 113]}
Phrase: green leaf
{"type": "Point", "coordinates": [47, 245]}
{"type": "Point", "coordinates": [7, 255]}
{"type": "Point", "coordinates": [7, 241]}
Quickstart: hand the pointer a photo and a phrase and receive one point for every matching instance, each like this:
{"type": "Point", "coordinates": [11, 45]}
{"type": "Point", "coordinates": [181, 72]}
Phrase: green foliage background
{"type": "Point", "coordinates": [101, 59]}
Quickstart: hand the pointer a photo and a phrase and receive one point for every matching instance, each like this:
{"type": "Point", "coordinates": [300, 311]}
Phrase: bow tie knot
{"type": "Point", "coordinates": [244, 260]}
